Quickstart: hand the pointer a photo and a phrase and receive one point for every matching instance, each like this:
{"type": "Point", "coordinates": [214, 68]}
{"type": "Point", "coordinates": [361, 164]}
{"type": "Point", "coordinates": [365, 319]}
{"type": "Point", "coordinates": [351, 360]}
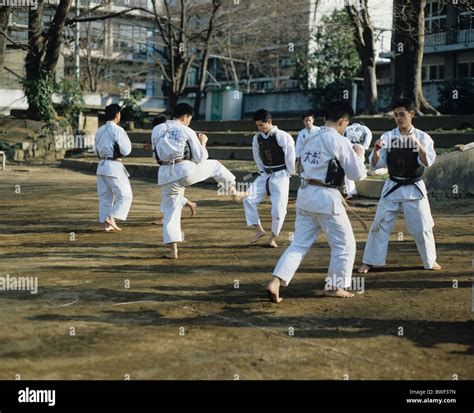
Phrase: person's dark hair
{"type": "Point", "coordinates": [158, 120]}
{"type": "Point", "coordinates": [404, 103]}
{"type": "Point", "coordinates": [182, 109]}
{"type": "Point", "coordinates": [262, 115]}
{"type": "Point", "coordinates": [307, 115]}
{"type": "Point", "coordinates": [338, 109]}
{"type": "Point", "coordinates": [111, 111]}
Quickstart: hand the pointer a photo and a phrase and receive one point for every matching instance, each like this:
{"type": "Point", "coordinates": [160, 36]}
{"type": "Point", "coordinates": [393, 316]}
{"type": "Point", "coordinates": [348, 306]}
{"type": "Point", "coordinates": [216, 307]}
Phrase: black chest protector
{"type": "Point", "coordinates": [270, 152]}
{"type": "Point", "coordinates": [403, 162]}
{"type": "Point", "coordinates": [335, 174]}
{"type": "Point", "coordinates": [117, 153]}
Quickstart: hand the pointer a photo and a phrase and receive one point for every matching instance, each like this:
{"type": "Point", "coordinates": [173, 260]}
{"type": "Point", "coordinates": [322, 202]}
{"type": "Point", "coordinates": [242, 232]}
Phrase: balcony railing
{"type": "Point", "coordinates": [447, 38]}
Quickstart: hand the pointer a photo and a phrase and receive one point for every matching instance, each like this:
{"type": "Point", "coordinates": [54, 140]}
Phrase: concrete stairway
{"type": "Point", "coordinates": [231, 143]}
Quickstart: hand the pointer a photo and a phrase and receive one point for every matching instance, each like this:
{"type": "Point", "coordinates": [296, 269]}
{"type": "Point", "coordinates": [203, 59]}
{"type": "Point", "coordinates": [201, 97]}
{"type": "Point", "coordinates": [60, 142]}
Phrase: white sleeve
{"type": "Point", "coordinates": [352, 164]}
{"type": "Point", "coordinates": [123, 142]}
{"type": "Point", "coordinates": [428, 143]}
{"type": "Point", "coordinates": [382, 163]}
{"type": "Point", "coordinates": [154, 136]}
{"type": "Point", "coordinates": [367, 138]}
{"type": "Point", "coordinates": [199, 152]}
{"type": "Point", "coordinates": [285, 140]}
{"type": "Point", "coordinates": [298, 144]}
{"type": "Point", "coordinates": [256, 154]}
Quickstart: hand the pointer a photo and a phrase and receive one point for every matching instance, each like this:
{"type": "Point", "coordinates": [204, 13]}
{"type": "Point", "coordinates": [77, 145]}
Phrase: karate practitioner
{"type": "Point", "coordinates": [309, 129]}
{"type": "Point", "coordinates": [158, 120]}
{"type": "Point", "coordinates": [359, 135]}
{"type": "Point", "coordinates": [274, 154]}
{"type": "Point", "coordinates": [113, 187]}
{"type": "Point", "coordinates": [184, 161]}
{"type": "Point", "coordinates": [406, 151]}
{"type": "Point", "coordinates": [325, 157]}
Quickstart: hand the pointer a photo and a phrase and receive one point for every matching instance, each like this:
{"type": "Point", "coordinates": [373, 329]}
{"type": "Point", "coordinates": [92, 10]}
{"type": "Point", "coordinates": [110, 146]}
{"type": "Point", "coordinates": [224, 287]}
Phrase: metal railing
{"type": "Point", "coordinates": [447, 38]}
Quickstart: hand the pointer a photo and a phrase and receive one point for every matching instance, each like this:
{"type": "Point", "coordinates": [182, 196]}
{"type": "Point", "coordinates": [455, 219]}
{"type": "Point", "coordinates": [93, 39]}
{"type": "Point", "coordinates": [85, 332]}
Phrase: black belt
{"type": "Point", "coordinates": [404, 182]}
{"type": "Point", "coordinates": [270, 170]}
{"type": "Point", "coordinates": [106, 158]}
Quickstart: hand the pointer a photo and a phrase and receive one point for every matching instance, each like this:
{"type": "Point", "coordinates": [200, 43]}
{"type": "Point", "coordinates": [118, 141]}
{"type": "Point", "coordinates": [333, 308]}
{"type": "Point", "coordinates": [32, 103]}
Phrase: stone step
{"type": "Point", "coordinates": [215, 152]}
{"type": "Point", "coordinates": [381, 123]}
{"type": "Point", "coordinates": [441, 139]}
{"type": "Point", "coordinates": [147, 169]}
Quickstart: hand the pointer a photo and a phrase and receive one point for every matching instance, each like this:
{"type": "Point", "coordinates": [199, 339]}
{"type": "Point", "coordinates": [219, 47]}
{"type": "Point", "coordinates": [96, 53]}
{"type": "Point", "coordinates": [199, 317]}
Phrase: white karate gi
{"type": "Point", "coordinates": [113, 186]}
{"type": "Point", "coordinates": [170, 139]}
{"type": "Point", "coordinates": [320, 208]}
{"type": "Point", "coordinates": [278, 182]}
{"type": "Point", "coordinates": [409, 200]}
{"type": "Point", "coordinates": [359, 135]}
{"type": "Point", "coordinates": [302, 136]}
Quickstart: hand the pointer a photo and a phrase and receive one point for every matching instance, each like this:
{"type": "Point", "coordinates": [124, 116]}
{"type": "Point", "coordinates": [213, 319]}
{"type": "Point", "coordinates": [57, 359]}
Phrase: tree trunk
{"type": "Point", "coordinates": [55, 36]}
{"type": "Point", "coordinates": [216, 4]}
{"type": "Point", "coordinates": [365, 44]}
{"type": "Point", "coordinates": [4, 16]}
{"type": "Point", "coordinates": [409, 44]}
{"type": "Point", "coordinates": [201, 86]}
{"type": "Point", "coordinates": [172, 100]}
{"type": "Point", "coordinates": [34, 55]}
{"type": "Point", "coordinates": [370, 86]}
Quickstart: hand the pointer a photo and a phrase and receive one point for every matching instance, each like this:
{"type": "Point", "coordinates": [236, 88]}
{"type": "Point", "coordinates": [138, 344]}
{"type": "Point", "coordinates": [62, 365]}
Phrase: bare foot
{"type": "Point", "coordinates": [364, 269]}
{"type": "Point", "coordinates": [238, 197]}
{"type": "Point", "coordinates": [259, 234]}
{"type": "Point", "coordinates": [159, 221]}
{"type": "Point", "coordinates": [112, 223]}
{"type": "Point", "coordinates": [173, 253]}
{"type": "Point", "coordinates": [273, 290]}
{"type": "Point", "coordinates": [339, 293]}
{"type": "Point", "coordinates": [273, 243]}
{"type": "Point", "coordinates": [109, 228]}
{"type": "Point", "coordinates": [192, 206]}
{"type": "Point", "coordinates": [435, 267]}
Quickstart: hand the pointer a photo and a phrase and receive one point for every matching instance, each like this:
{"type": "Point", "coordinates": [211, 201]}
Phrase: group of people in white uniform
{"type": "Point", "coordinates": [326, 159]}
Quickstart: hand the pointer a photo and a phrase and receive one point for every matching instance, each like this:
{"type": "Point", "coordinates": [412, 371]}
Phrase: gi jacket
{"type": "Point", "coordinates": [287, 144]}
{"type": "Point", "coordinates": [170, 140]}
{"type": "Point", "coordinates": [105, 139]}
{"type": "Point", "coordinates": [408, 192]}
{"type": "Point", "coordinates": [316, 153]}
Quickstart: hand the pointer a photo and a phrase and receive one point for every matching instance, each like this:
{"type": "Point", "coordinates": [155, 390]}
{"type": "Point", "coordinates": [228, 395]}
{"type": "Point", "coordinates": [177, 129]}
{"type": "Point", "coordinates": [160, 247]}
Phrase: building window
{"type": "Point", "coordinates": [192, 77]}
{"type": "Point", "coordinates": [435, 17]}
{"type": "Point", "coordinates": [130, 39]}
{"type": "Point", "coordinates": [465, 70]}
{"type": "Point", "coordinates": [432, 72]}
{"type": "Point", "coordinates": [19, 18]}
{"type": "Point", "coordinates": [466, 21]}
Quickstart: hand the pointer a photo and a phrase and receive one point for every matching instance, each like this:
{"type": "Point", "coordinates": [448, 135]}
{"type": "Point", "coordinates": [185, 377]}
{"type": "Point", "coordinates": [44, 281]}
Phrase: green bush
{"type": "Point", "coordinates": [132, 112]}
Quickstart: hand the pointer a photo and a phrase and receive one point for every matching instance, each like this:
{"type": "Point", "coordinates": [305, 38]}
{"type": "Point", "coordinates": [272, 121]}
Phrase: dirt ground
{"type": "Point", "coordinates": [186, 319]}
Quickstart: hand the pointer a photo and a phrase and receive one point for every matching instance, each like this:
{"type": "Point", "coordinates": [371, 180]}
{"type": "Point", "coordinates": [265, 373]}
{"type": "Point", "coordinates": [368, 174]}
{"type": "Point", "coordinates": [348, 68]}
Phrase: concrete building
{"type": "Point", "coordinates": [449, 47]}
